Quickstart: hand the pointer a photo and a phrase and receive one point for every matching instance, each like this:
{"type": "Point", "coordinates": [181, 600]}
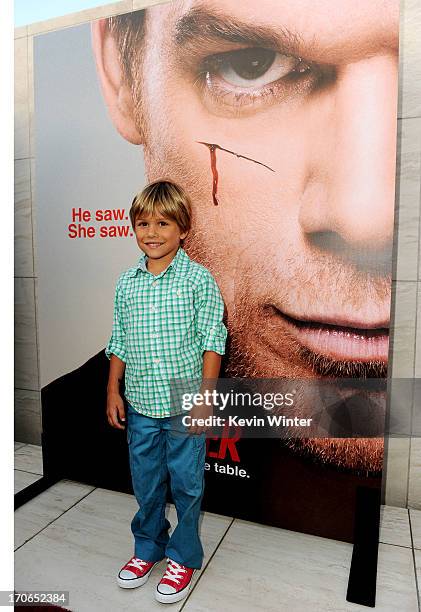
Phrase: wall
{"type": "Point", "coordinates": [403, 455]}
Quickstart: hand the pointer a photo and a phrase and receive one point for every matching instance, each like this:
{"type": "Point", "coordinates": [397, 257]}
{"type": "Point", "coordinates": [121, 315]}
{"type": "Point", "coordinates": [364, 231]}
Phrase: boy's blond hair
{"type": "Point", "coordinates": [166, 198]}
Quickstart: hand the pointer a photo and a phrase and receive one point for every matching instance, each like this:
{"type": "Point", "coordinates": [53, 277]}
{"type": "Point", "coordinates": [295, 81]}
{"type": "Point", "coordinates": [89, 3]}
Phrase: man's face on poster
{"type": "Point", "coordinates": [299, 233]}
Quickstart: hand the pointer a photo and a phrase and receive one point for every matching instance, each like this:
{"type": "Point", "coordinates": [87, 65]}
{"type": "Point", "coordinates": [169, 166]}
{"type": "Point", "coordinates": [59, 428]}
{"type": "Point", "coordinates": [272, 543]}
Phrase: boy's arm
{"type": "Point", "coordinates": [211, 367]}
{"type": "Point", "coordinates": [117, 344]}
{"type": "Point", "coordinates": [117, 367]}
{"type": "Point", "coordinates": [212, 333]}
{"type": "Point", "coordinates": [115, 404]}
{"type": "Point", "coordinates": [116, 353]}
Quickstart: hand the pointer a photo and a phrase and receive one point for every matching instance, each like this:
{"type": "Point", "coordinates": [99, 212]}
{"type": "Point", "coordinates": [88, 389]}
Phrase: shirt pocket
{"type": "Point", "coordinates": [138, 313]}
{"type": "Point", "coordinates": [178, 312]}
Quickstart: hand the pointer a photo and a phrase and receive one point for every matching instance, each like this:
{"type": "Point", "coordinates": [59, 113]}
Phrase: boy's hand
{"type": "Point", "coordinates": [115, 410]}
{"type": "Point", "coordinates": [199, 412]}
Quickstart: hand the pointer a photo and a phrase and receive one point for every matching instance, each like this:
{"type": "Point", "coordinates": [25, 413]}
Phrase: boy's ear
{"type": "Point", "coordinates": [117, 94]}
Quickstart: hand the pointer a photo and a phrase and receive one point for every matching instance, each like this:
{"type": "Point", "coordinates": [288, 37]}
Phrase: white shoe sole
{"type": "Point", "coordinates": [133, 583]}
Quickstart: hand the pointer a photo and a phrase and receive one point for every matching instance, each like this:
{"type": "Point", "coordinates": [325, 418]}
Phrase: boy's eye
{"type": "Point", "coordinates": [162, 223]}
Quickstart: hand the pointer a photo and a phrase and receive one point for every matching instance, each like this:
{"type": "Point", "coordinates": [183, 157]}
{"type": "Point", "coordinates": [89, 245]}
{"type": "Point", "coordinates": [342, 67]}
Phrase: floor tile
{"type": "Point", "coordinates": [82, 551]}
{"type": "Point", "coordinates": [29, 459]}
{"type": "Point", "coordinates": [415, 518]}
{"type": "Point", "coordinates": [417, 554]}
{"type": "Point", "coordinates": [24, 479]}
{"type": "Point", "coordinates": [394, 526]}
{"type": "Point", "coordinates": [263, 568]}
{"type": "Point", "coordinates": [47, 506]}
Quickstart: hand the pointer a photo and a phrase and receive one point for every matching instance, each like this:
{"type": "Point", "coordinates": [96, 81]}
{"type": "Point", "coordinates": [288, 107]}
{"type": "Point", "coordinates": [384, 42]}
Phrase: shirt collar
{"type": "Point", "coordinates": [180, 263]}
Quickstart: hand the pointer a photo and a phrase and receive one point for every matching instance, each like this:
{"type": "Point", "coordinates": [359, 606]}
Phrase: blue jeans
{"type": "Point", "coordinates": [159, 448]}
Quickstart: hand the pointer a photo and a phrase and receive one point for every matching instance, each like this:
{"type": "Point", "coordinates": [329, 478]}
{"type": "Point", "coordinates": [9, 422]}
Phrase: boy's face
{"type": "Point", "coordinates": [158, 236]}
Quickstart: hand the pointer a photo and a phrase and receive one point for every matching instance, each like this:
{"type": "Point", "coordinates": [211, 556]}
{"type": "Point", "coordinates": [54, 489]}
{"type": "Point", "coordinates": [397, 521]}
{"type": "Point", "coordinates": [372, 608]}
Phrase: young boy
{"type": "Point", "coordinates": [167, 325]}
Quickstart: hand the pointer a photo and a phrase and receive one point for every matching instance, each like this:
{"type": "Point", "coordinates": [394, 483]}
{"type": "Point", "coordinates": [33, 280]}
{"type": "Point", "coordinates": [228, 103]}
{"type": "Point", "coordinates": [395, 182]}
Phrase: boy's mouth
{"type": "Point", "coordinates": [154, 245]}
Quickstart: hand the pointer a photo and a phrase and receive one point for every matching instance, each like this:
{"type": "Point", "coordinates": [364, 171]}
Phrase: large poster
{"type": "Point", "coordinates": [279, 119]}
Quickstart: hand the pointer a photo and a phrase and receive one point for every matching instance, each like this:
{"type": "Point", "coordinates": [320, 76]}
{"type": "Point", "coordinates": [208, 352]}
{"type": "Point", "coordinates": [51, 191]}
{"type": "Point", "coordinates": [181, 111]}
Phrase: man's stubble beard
{"type": "Point", "coordinates": [248, 360]}
{"type": "Point", "coordinates": [362, 456]}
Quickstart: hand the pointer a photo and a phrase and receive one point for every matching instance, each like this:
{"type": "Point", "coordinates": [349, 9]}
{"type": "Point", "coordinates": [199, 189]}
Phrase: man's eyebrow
{"type": "Point", "coordinates": [200, 23]}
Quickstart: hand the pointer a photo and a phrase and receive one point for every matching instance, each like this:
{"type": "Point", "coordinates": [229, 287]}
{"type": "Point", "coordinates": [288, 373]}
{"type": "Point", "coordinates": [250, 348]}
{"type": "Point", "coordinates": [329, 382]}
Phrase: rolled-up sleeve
{"type": "Point", "coordinates": [117, 344]}
{"type": "Point", "coordinates": [209, 307]}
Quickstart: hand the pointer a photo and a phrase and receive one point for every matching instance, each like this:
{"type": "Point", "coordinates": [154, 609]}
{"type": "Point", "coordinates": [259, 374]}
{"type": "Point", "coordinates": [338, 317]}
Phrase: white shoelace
{"type": "Point", "coordinates": [137, 563]}
{"type": "Point", "coordinates": [174, 572]}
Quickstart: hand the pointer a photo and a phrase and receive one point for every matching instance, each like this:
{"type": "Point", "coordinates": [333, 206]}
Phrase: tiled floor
{"type": "Point", "coordinates": [28, 458]}
{"type": "Point", "coordinates": [74, 537]}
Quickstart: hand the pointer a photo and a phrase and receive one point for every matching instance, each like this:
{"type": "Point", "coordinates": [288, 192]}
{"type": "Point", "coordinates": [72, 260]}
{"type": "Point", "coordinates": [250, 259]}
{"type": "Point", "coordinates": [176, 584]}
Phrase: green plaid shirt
{"type": "Point", "coordinates": [162, 325]}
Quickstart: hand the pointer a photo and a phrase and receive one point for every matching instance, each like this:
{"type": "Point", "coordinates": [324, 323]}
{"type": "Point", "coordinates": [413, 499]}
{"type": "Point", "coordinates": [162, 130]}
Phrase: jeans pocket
{"type": "Point", "coordinates": [199, 446]}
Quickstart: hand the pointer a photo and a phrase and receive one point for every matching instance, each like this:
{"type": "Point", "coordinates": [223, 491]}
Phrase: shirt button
{"type": "Point", "coordinates": [156, 360]}
{"type": "Point", "coordinates": [154, 284]}
{"type": "Point", "coordinates": [153, 308]}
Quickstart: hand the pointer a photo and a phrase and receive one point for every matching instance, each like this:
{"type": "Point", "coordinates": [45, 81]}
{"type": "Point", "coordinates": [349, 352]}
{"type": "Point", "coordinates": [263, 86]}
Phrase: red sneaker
{"type": "Point", "coordinates": [175, 583]}
{"type": "Point", "coordinates": [135, 573]}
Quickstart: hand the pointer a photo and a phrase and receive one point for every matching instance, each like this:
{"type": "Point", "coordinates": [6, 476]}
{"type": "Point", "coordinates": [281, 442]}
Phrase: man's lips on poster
{"type": "Point", "coordinates": [338, 337]}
